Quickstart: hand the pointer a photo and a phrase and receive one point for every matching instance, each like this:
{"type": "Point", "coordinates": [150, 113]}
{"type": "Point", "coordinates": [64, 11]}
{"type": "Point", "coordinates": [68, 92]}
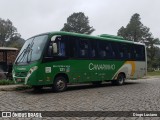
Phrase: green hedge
{"type": "Point", "coordinates": [6, 82]}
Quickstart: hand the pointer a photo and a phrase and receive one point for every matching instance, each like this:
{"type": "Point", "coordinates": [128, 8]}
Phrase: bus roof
{"type": "Point", "coordinates": [8, 49]}
{"type": "Point", "coordinates": [100, 37]}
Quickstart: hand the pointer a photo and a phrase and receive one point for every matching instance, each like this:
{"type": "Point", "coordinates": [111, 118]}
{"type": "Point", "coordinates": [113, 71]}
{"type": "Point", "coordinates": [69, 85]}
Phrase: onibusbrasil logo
{"type": "Point", "coordinates": [21, 115]}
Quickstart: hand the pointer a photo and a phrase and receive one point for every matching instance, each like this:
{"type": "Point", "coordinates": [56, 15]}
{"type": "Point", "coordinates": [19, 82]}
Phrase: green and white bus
{"type": "Point", "coordinates": [60, 58]}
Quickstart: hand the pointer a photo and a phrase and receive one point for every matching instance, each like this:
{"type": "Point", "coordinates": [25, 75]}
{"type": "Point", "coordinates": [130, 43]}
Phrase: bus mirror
{"type": "Point", "coordinates": [54, 46]}
{"type": "Point", "coordinates": [55, 37]}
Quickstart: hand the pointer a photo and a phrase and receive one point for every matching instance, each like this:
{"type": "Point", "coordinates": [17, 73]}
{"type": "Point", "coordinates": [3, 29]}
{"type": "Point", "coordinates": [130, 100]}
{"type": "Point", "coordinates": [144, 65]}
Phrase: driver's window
{"type": "Point", "coordinates": [61, 47]}
{"type": "Point", "coordinates": [59, 41]}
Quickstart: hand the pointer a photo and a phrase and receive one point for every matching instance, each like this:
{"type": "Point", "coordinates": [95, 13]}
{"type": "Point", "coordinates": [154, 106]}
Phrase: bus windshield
{"type": "Point", "coordinates": [32, 49]}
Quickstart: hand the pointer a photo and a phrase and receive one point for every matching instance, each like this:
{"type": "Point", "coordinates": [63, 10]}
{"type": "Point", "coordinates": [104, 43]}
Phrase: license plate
{"type": "Point", "coordinates": [19, 80]}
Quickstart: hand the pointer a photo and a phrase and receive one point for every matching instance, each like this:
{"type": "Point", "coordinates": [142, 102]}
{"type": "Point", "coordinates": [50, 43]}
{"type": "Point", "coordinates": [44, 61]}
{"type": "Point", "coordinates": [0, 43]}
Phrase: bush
{"type": "Point", "coordinates": [150, 69]}
{"type": "Point", "coordinates": [6, 82]}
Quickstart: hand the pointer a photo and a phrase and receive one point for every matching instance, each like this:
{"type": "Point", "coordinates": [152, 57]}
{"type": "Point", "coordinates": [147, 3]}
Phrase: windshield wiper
{"type": "Point", "coordinates": [24, 53]}
{"type": "Point", "coordinates": [30, 51]}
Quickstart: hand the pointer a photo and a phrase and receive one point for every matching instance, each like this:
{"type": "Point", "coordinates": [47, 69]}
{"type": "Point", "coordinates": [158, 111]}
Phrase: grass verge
{"type": "Point", "coordinates": [154, 73]}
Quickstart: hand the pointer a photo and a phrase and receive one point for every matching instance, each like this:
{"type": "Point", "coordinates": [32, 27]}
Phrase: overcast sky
{"type": "Point", "coordinates": [32, 17]}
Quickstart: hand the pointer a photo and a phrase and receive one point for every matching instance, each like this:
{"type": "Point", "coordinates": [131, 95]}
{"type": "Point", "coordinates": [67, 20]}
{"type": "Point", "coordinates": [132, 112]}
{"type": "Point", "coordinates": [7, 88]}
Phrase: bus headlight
{"type": "Point", "coordinates": [32, 69]}
{"type": "Point", "coordinates": [30, 72]}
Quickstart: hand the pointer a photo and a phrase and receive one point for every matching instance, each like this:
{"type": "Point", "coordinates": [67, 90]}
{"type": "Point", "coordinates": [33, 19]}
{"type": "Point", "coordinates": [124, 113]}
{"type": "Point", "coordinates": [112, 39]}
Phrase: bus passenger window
{"type": "Point", "coordinates": [121, 55]}
{"type": "Point", "coordinates": [72, 47]}
{"type": "Point", "coordinates": [93, 48]}
{"type": "Point", "coordinates": [123, 51]}
{"type": "Point", "coordinates": [139, 51]}
{"type": "Point", "coordinates": [83, 48]}
{"type": "Point", "coordinates": [93, 54]}
{"type": "Point", "coordinates": [105, 50]}
{"type": "Point", "coordinates": [102, 53]}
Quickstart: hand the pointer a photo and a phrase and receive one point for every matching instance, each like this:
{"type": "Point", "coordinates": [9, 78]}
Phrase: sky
{"type": "Point", "coordinates": [32, 17]}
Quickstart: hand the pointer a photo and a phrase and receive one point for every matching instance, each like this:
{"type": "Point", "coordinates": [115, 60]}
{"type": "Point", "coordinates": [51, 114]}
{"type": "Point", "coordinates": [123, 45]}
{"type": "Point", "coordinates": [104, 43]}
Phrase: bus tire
{"type": "Point", "coordinates": [120, 79]}
{"type": "Point", "coordinates": [60, 84]}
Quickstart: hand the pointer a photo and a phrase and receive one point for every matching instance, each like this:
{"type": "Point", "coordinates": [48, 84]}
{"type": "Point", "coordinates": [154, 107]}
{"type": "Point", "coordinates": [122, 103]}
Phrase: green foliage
{"type": "Point", "coordinates": [17, 43]}
{"type": "Point", "coordinates": [6, 82]}
{"type": "Point", "coordinates": [8, 33]}
{"type": "Point", "coordinates": [78, 23]}
{"type": "Point", "coordinates": [153, 73]}
{"type": "Point", "coordinates": [137, 32]}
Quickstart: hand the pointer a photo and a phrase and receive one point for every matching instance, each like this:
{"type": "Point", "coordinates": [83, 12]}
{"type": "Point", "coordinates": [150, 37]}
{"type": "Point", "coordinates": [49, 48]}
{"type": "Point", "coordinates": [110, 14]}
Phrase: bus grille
{"type": "Point", "coordinates": [21, 74]}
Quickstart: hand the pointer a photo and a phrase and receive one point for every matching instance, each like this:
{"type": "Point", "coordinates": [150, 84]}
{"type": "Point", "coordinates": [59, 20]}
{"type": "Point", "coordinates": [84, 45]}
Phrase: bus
{"type": "Point", "coordinates": [58, 59]}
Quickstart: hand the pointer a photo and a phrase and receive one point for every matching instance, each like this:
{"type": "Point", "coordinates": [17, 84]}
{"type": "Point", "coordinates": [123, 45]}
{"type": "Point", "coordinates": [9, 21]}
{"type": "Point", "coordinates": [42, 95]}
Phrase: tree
{"type": "Point", "coordinates": [7, 32]}
{"type": "Point", "coordinates": [78, 23]}
{"type": "Point", "coordinates": [17, 42]}
{"type": "Point", "coordinates": [137, 32]}
{"type": "Point", "coordinates": [152, 51]}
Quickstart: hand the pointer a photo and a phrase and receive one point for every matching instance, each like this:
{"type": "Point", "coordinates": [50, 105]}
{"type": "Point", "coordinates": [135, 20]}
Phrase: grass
{"type": "Point", "coordinates": [6, 82]}
{"type": "Point", "coordinates": [154, 73]}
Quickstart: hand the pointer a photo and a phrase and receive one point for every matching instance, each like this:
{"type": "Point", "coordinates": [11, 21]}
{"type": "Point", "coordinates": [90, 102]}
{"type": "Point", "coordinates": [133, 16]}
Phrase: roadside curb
{"type": "Point", "coordinates": [9, 87]}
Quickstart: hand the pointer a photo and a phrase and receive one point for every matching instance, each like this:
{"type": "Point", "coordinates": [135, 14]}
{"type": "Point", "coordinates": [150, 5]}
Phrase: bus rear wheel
{"type": "Point", "coordinates": [120, 80]}
{"type": "Point", "coordinates": [60, 84]}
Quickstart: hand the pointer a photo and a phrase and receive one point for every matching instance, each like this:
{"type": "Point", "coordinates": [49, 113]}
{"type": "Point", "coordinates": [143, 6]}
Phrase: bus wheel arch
{"type": "Point", "coordinates": [63, 75]}
{"type": "Point", "coordinates": [60, 82]}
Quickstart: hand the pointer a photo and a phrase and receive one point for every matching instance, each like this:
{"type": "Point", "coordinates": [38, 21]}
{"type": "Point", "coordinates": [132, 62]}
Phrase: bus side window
{"type": "Point", "coordinates": [50, 50]}
{"type": "Point", "coordinates": [139, 52]}
{"type": "Point", "coordinates": [118, 48]}
{"type": "Point", "coordinates": [106, 50]}
{"type": "Point", "coordinates": [61, 46]}
{"type": "Point", "coordinates": [130, 52]}
{"type": "Point", "coordinates": [114, 50]}
{"type": "Point", "coordinates": [83, 48]}
{"type": "Point", "coordinates": [123, 52]}
{"type": "Point", "coordinates": [72, 46]}
{"type": "Point", "coordinates": [93, 49]}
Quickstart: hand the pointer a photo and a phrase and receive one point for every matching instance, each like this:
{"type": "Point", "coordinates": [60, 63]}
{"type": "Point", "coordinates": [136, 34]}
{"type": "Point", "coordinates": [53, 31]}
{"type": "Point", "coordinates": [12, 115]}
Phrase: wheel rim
{"type": "Point", "coordinates": [60, 84]}
{"type": "Point", "coordinates": [121, 79]}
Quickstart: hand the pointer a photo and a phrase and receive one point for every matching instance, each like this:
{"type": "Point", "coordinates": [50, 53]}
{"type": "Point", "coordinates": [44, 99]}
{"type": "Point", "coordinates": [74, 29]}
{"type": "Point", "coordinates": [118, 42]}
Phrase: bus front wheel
{"type": "Point", "coordinates": [60, 84]}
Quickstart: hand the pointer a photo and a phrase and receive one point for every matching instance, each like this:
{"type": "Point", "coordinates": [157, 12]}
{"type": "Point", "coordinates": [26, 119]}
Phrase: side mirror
{"type": "Point", "coordinates": [55, 37]}
{"type": "Point", "coordinates": [54, 46]}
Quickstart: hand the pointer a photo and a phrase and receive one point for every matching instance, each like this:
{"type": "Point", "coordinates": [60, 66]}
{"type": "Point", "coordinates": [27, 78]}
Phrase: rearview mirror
{"type": "Point", "coordinates": [54, 46]}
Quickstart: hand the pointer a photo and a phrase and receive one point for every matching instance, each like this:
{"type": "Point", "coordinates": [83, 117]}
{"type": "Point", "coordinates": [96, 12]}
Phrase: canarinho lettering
{"type": "Point", "coordinates": [92, 66]}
